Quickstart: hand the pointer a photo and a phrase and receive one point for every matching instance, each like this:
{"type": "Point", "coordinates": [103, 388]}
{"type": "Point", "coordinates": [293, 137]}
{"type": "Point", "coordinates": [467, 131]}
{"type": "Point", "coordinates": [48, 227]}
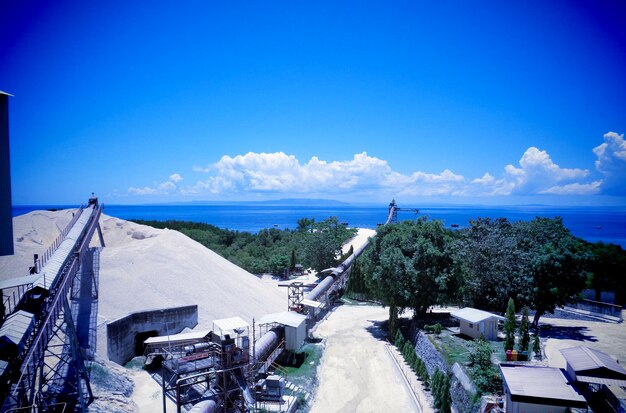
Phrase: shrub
{"type": "Point", "coordinates": [524, 333]}
{"type": "Point", "coordinates": [435, 328]}
{"type": "Point", "coordinates": [399, 340]}
{"type": "Point", "coordinates": [441, 391]}
{"type": "Point", "coordinates": [537, 346]}
{"type": "Point", "coordinates": [509, 326]}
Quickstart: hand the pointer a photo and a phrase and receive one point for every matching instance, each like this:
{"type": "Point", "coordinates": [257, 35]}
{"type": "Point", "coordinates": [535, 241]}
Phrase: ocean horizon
{"type": "Point", "coordinates": [591, 223]}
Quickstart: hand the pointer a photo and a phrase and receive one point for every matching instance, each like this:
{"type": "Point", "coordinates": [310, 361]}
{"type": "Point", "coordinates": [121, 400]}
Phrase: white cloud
{"type": "Point", "coordinates": [166, 187]}
{"type": "Point", "coordinates": [537, 174]}
{"type": "Point", "coordinates": [176, 178]}
{"type": "Point", "coordinates": [486, 179]}
{"type": "Point", "coordinates": [142, 191]}
{"type": "Point", "coordinates": [611, 163]}
{"type": "Point", "coordinates": [366, 176]}
{"type": "Point", "coordinates": [575, 189]}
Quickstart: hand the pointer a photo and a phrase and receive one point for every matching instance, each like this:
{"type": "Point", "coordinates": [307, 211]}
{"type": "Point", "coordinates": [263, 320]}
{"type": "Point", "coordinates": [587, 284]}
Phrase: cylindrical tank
{"type": "Point", "coordinates": [320, 288]}
{"type": "Point", "coordinates": [268, 342]}
{"type": "Point", "coordinates": [197, 348]}
{"type": "Point", "coordinates": [205, 406]}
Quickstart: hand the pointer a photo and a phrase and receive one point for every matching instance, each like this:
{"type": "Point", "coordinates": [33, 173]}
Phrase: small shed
{"type": "Point", "coordinates": [538, 390]}
{"type": "Point", "coordinates": [298, 269]}
{"type": "Point", "coordinates": [475, 323]}
{"type": "Point", "coordinates": [295, 327]}
{"type": "Point", "coordinates": [586, 365]}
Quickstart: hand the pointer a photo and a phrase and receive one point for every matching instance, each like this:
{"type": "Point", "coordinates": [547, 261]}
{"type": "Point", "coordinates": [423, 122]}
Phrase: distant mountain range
{"type": "Point", "coordinates": [275, 202]}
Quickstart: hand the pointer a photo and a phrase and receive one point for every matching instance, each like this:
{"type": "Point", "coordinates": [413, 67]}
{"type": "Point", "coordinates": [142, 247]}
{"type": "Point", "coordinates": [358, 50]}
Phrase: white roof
{"type": "Point", "coordinates": [311, 303]}
{"type": "Point", "coordinates": [16, 282]}
{"type": "Point", "coordinates": [474, 315]}
{"type": "Point", "coordinates": [286, 318]}
{"type": "Point", "coordinates": [194, 335]}
{"type": "Point", "coordinates": [16, 326]}
{"type": "Point", "coordinates": [230, 324]}
{"type": "Point", "coordinates": [585, 359]}
{"type": "Point", "coordinates": [542, 383]}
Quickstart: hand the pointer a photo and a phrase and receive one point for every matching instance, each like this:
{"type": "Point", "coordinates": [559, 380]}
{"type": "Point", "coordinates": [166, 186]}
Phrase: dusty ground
{"type": "Point", "coordinates": [359, 239]}
{"type": "Point", "coordinates": [607, 337]}
{"type": "Point", "coordinates": [356, 374]}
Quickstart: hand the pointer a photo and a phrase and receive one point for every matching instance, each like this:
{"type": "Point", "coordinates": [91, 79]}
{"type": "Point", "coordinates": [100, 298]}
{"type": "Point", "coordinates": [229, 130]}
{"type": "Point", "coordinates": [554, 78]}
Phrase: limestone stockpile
{"type": "Point", "coordinates": [145, 268]}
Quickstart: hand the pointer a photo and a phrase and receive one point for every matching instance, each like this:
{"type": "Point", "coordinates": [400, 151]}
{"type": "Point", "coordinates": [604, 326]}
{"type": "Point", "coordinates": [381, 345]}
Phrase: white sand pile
{"type": "Point", "coordinates": [362, 235]}
{"type": "Point", "coordinates": [144, 268]}
{"type": "Point", "coordinates": [33, 234]}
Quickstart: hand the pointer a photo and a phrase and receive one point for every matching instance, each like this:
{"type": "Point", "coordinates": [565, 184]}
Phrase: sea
{"type": "Point", "coordinates": [592, 223]}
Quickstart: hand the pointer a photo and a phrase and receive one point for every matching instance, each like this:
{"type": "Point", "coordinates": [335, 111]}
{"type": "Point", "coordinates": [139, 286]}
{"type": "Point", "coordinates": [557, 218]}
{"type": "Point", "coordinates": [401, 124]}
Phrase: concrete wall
{"type": "Point", "coordinates": [599, 308]}
{"type": "Point", "coordinates": [520, 407]}
{"type": "Point", "coordinates": [605, 296]}
{"type": "Point", "coordinates": [122, 332]}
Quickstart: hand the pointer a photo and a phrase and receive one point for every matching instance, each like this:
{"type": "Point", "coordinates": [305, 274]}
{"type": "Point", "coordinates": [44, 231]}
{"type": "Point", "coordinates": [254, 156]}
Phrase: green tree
{"type": "Point", "coordinates": [493, 263]}
{"type": "Point", "coordinates": [509, 326]}
{"type": "Point", "coordinates": [293, 261]}
{"type": "Point", "coordinates": [441, 391]}
{"type": "Point", "coordinates": [607, 266]}
{"type": "Point", "coordinates": [306, 224]}
{"type": "Point", "coordinates": [484, 374]}
{"type": "Point", "coordinates": [356, 282]}
{"type": "Point", "coordinates": [321, 250]}
{"type": "Point", "coordinates": [278, 264]}
{"type": "Point", "coordinates": [524, 333]}
{"type": "Point", "coordinates": [410, 263]}
{"type": "Point", "coordinates": [399, 340]}
{"type": "Point", "coordinates": [537, 346]}
{"type": "Point", "coordinates": [559, 273]}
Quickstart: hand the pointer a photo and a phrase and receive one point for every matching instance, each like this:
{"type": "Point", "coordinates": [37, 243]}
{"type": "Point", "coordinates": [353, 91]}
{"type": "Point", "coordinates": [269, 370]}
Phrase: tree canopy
{"type": "Point", "coordinates": [410, 263]}
{"type": "Point", "coordinates": [313, 244]}
{"type": "Point", "coordinates": [539, 263]}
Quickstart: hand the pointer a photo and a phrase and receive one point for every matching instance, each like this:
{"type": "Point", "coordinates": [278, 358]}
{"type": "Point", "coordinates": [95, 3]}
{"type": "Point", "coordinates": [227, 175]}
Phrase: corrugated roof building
{"type": "Point", "coordinates": [586, 365]}
{"type": "Point", "coordinates": [538, 390]}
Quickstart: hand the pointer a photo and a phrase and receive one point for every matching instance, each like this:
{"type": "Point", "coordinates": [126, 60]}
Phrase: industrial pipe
{"type": "Point", "coordinates": [320, 288]}
{"type": "Point", "coordinates": [325, 284]}
{"type": "Point", "coordinates": [205, 406]}
{"type": "Point", "coordinates": [268, 342]}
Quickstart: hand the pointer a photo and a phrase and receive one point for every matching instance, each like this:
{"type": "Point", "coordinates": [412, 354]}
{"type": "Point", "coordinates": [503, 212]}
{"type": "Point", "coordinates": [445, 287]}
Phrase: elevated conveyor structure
{"type": "Point", "coordinates": [338, 275]}
{"type": "Point", "coordinates": [47, 371]}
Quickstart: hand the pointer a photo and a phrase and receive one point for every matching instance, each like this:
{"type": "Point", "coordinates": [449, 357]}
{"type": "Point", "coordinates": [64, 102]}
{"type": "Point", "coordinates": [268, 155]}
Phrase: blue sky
{"type": "Point", "coordinates": [452, 102]}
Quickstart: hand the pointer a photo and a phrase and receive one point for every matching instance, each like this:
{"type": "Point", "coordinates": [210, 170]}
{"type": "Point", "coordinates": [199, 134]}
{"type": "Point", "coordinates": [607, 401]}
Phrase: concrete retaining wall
{"type": "Point", "coordinates": [429, 354]}
{"type": "Point", "coordinates": [598, 307]}
{"type": "Point", "coordinates": [122, 333]}
{"type": "Point", "coordinates": [605, 296]}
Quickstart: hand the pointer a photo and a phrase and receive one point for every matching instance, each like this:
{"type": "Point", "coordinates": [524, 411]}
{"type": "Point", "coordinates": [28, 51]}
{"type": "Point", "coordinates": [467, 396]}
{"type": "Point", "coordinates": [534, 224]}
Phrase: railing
{"type": "Point", "coordinates": [41, 262]}
{"type": "Point", "coordinates": [34, 409]}
{"type": "Point", "coordinates": [36, 344]}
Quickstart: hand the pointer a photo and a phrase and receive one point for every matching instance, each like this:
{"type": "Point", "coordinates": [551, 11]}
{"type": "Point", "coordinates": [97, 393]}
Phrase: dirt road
{"type": "Point", "coordinates": [356, 373]}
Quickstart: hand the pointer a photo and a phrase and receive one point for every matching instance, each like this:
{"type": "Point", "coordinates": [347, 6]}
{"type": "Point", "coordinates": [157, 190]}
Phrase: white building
{"type": "Point", "coordinates": [475, 323]}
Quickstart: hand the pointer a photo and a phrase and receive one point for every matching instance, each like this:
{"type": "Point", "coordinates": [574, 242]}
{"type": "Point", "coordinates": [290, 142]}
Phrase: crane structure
{"type": "Point", "coordinates": [48, 323]}
{"type": "Point", "coordinates": [393, 212]}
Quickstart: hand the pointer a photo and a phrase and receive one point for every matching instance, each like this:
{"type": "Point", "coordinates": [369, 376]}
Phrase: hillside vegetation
{"type": "Point", "coordinates": [313, 244]}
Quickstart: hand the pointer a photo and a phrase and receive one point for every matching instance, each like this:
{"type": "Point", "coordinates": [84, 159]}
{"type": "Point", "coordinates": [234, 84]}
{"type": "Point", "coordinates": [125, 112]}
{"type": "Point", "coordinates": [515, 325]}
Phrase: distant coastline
{"type": "Point", "coordinates": [607, 224]}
